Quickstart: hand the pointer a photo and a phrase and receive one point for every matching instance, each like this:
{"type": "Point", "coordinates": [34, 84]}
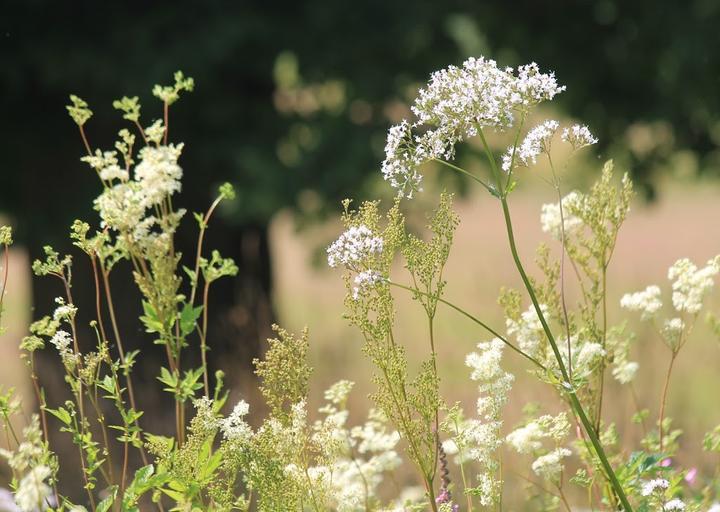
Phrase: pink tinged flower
{"type": "Point", "coordinates": [691, 475]}
{"type": "Point", "coordinates": [666, 463]}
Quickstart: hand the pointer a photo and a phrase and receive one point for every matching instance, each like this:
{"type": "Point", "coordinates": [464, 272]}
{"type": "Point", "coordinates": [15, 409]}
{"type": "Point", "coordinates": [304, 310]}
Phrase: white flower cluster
{"type": "Point", "coordinates": [27, 459]}
{"type": "Point", "coordinates": [62, 341]}
{"type": "Point", "coordinates": [673, 504]}
{"type": "Point", "coordinates": [158, 172]}
{"type": "Point", "coordinates": [402, 159]}
{"type": "Point", "coordinates": [625, 371]}
{"type": "Point", "coordinates": [672, 331]}
{"type": "Point", "coordinates": [456, 103]}
{"type": "Point", "coordinates": [647, 301]}
{"type": "Point", "coordinates": [552, 222]}
{"type": "Point", "coordinates": [537, 141]}
{"type": "Point", "coordinates": [32, 492]}
{"type": "Point", "coordinates": [654, 485]}
{"type": "Point", "coordinates": [528, 439]}
{"type": "Point", "coordinates": [528, 330]}
{"type": "Point", "coordinates": [550, 465]}
{"type": "Point", "coordinates": [234, 427]}
{"type": "Point", "coordinates": [64, 312]}
{"type": "Point", "coordinates": [578, 136]}
{"type": "Point", "coordinates": [354, 249]}
{"type": "Point", "coordinates": [690, 284]}
{"type": "Point", "coordinates": [366, 280]}
{"type": "Point", "coordinates": [106, 165]}
{"type": "Point", "coordinates": [480, 438]}
{"type": "Point", "coordinates": [356, 457]}
{"type": "Point", "coordinates": [123, 205]}
{"type": "Point", "coordinates": [355, 245]}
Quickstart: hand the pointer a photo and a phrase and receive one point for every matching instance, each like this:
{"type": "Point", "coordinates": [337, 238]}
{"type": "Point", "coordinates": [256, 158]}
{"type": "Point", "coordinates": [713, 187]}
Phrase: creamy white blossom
{"type": "Point", "coordinates": [33, 492]}
{"type": "Point", "coordinates": [121, 206]}
{"type": "Point", "coordinates": [234, 426]}
{"type": "Point", "coordinates": [647, 301]}
{"type": "Point", "coordinates": [158, 172]}
{"type": "Point", "coordinates": [654, 485]}
{"type": "Point", "coordinates": [672, 331]}
{"type": "Point", "coordinates": [552, 222]}
{"type": "Point", "coordinates": [578, 136]}
{"type": "Point", "coordinates": [690, 284]}
{"type": "Point", "coordinates": [355, 245]}
{"type": "Point", "coordinates": [625, 371]}
{"type": "Point", "coordinates": [550, 465]}
{"type": "Point", "coordinates": [528, 330]}
{"type": "Point", "coordinates": [527, 439]}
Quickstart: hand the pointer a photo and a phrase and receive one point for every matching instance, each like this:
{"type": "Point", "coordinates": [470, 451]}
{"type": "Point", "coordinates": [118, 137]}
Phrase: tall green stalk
{"type": "Point", "coordinates": [575, 403]}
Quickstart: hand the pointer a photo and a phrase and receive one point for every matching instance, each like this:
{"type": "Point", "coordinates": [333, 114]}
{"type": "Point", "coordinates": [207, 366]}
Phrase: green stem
{"type": "Point", "coordinates": [477, 321]}
{"type": "Point", "coordinates": [553, 344]}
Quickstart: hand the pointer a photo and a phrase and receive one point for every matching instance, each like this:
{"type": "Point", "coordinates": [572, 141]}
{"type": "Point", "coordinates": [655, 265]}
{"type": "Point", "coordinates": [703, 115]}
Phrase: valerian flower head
{"type": "Point", "coordinates": [647, 301]}
{"type": "Point", "coordinates": [457, 103]}
{"type": "Point", "coordinates": [578, 136]}
{"type": "Point", "coordinates": [537, 141]}
{"type": "Point", "coordinates": [400, 167]}
{"type": "Point", "coordinates": [674, 504]}
{"type": "Point", "coordinates": [354, 246]}
{"type": "Point", "coordinates": [654, 485]}
{"type": "Point", "coordinates": [690, 284]}
{"type": "Point", "coordinates": [552, 221]}
{"type": "Point", "coordinates": [366, 280]}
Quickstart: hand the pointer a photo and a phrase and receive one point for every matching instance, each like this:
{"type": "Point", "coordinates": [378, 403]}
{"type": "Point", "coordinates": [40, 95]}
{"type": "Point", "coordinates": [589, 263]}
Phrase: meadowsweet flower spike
{"type": "Point", "coordinates": [552, 221]}
{"type": "Point", "coordinates": [79, 110]}
{"type": "Point", "coordinates": [647, 301]}
{"type": "Point", "coordinates": [690, 284]}
{"type": "Point", "coordinates": [6, 235]}
{"type": "Point", "coordinates": [130, 108]}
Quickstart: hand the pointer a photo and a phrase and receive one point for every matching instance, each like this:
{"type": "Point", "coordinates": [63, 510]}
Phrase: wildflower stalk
{"type": "Point", "coordinates": [575, 403]}
{"type": "Point", "coordinates": [118, 340]}
{"type": "Point", "coordinates": [563, 302]}
{"type": "Point", "coordinates": [6, 264]}
{"type": "Point", "coordinates": [477, 321]}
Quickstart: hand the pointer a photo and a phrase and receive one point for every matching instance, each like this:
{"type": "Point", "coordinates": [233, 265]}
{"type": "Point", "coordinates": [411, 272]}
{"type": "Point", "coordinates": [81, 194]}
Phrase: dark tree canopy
{"type": "Point", "coordinates": [625, 61]}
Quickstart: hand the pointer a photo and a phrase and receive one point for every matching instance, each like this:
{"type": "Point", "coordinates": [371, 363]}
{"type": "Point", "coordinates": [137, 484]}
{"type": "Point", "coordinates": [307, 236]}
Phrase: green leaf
{"type": "Point", "coordinates": [105, 504]}
{"type": "Point", "coordinates": [61, 414]}
{"type": "Point", "coordinates": [188, 318]}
